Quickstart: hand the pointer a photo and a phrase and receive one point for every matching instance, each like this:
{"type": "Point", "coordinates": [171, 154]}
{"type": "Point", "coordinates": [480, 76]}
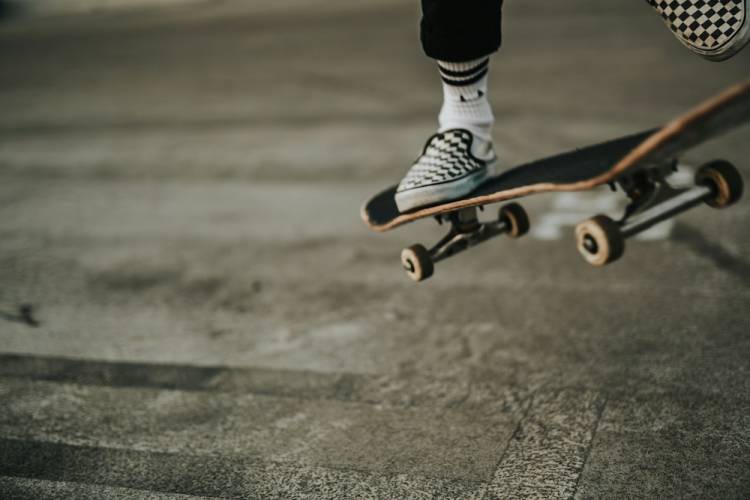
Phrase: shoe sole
{"type": "Point", "coordinates": [735, 46]}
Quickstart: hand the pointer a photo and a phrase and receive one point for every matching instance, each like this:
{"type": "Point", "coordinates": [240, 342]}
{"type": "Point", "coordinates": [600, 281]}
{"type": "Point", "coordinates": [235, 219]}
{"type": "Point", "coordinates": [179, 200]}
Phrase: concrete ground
{"type": "Point", "coordinates": [191, 307]}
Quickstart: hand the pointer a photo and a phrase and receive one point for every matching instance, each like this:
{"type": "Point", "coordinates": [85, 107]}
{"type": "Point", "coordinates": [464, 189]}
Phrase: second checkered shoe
{"type": "Point", "coordinates": [453, 163]}
{"type": "Point", "coordinates": [714, 29]}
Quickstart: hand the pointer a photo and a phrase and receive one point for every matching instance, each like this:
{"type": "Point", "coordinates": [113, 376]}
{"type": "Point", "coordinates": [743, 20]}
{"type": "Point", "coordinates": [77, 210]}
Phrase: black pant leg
{"type": "Point", "coordinates": [460, 30]}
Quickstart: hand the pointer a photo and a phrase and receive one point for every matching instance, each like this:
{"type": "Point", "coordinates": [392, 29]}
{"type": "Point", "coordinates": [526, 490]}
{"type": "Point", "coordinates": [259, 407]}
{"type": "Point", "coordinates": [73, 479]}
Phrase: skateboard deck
{"type": "Point", "coordinates": [586, 168]}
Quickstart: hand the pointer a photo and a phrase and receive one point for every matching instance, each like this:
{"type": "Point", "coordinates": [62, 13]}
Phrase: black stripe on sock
{"type": "Point", "coordinates": [464, 83]}
{"type": "Point", "coordinates": [465, 73]}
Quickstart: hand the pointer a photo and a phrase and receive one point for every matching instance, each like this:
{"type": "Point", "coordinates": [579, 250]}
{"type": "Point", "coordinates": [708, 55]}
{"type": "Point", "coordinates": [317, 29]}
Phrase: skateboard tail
{"type": "Point", "coordinates": [712, 118]}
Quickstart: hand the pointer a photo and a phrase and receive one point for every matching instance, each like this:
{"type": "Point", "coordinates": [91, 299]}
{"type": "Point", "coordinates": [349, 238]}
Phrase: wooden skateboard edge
{"type": "Point", "coordinates": [509, 194]}
{"type": "Point", "coordinates": [630, 160]}
{"type": "Point", "coordinates": [674, 128]}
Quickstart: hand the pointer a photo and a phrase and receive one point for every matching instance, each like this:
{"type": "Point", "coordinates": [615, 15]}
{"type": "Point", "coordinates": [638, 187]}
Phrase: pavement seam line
{"type": "Point", "coordinates": [509, 441]}
{"type": "Point", "coordinates": [5, 477]}
{"type": "Point", "coordinates": [590, 446]}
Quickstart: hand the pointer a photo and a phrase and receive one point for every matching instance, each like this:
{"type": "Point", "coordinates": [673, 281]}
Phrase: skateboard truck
{"type": "Point", "coordinates": [601, 240]}
{"type": "Point", "coordinates": [465, 231]}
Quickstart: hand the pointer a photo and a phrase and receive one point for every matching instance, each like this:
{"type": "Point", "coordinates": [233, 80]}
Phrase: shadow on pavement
{"type": "Point", "coordinates": [698, 243]}
{"type": "Point", "coordinates": [24, 315]}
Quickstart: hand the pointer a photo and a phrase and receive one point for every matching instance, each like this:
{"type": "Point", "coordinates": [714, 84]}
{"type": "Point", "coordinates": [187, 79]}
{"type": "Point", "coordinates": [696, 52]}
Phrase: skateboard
{"type": "Point", "coordinates": [637, 164]}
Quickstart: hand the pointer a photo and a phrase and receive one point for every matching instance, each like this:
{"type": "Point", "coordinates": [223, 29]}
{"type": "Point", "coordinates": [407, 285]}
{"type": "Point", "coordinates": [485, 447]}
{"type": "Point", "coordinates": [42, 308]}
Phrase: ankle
{"type": "Point", "coordinates": [465, 101]}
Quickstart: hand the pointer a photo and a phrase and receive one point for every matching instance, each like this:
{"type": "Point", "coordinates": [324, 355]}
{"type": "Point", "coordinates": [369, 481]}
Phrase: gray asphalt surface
{"type": "Point", "coordinates": [190, 306]}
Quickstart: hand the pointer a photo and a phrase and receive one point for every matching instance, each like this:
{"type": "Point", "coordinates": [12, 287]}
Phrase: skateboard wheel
{"type": "Point", "coordinates": [725, 181]}
{"type": "Point", "coordinates": [516, 218]}
{"type": "Point", "coordinates": [599, 240]}
{"type": "Point", "coordinates": [417, 262]}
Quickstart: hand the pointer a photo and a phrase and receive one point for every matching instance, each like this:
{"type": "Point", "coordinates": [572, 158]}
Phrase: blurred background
{"type": "Point", "coordinates": [190, 304]}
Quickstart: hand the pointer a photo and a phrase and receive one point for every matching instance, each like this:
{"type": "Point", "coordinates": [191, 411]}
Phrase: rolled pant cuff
{"type": "Point", "coordinates": [461, 30]}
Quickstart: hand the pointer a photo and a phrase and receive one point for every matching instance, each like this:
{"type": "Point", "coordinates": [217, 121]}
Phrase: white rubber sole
{"type": "Point", "coordinates": [447, 191]}
{"type": "Point", "coordinates": [737, 44]}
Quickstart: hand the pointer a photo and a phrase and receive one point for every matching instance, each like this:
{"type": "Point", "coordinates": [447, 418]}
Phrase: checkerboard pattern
{"type": "Point", "coordinates": [446, 157]}
{"type": "Point", "coordinates": [703, 24]}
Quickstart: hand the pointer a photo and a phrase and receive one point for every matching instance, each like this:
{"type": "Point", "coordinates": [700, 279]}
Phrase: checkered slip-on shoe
{"type": "Point", "coordinates": [452, 164]}
{"type": "Point", "coordinates": [714, 29]}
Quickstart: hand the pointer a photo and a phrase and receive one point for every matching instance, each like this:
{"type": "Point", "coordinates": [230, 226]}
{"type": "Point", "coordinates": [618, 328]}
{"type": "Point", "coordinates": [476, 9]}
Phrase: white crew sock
{"type": "Point", "coordinates": [465, 103]}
